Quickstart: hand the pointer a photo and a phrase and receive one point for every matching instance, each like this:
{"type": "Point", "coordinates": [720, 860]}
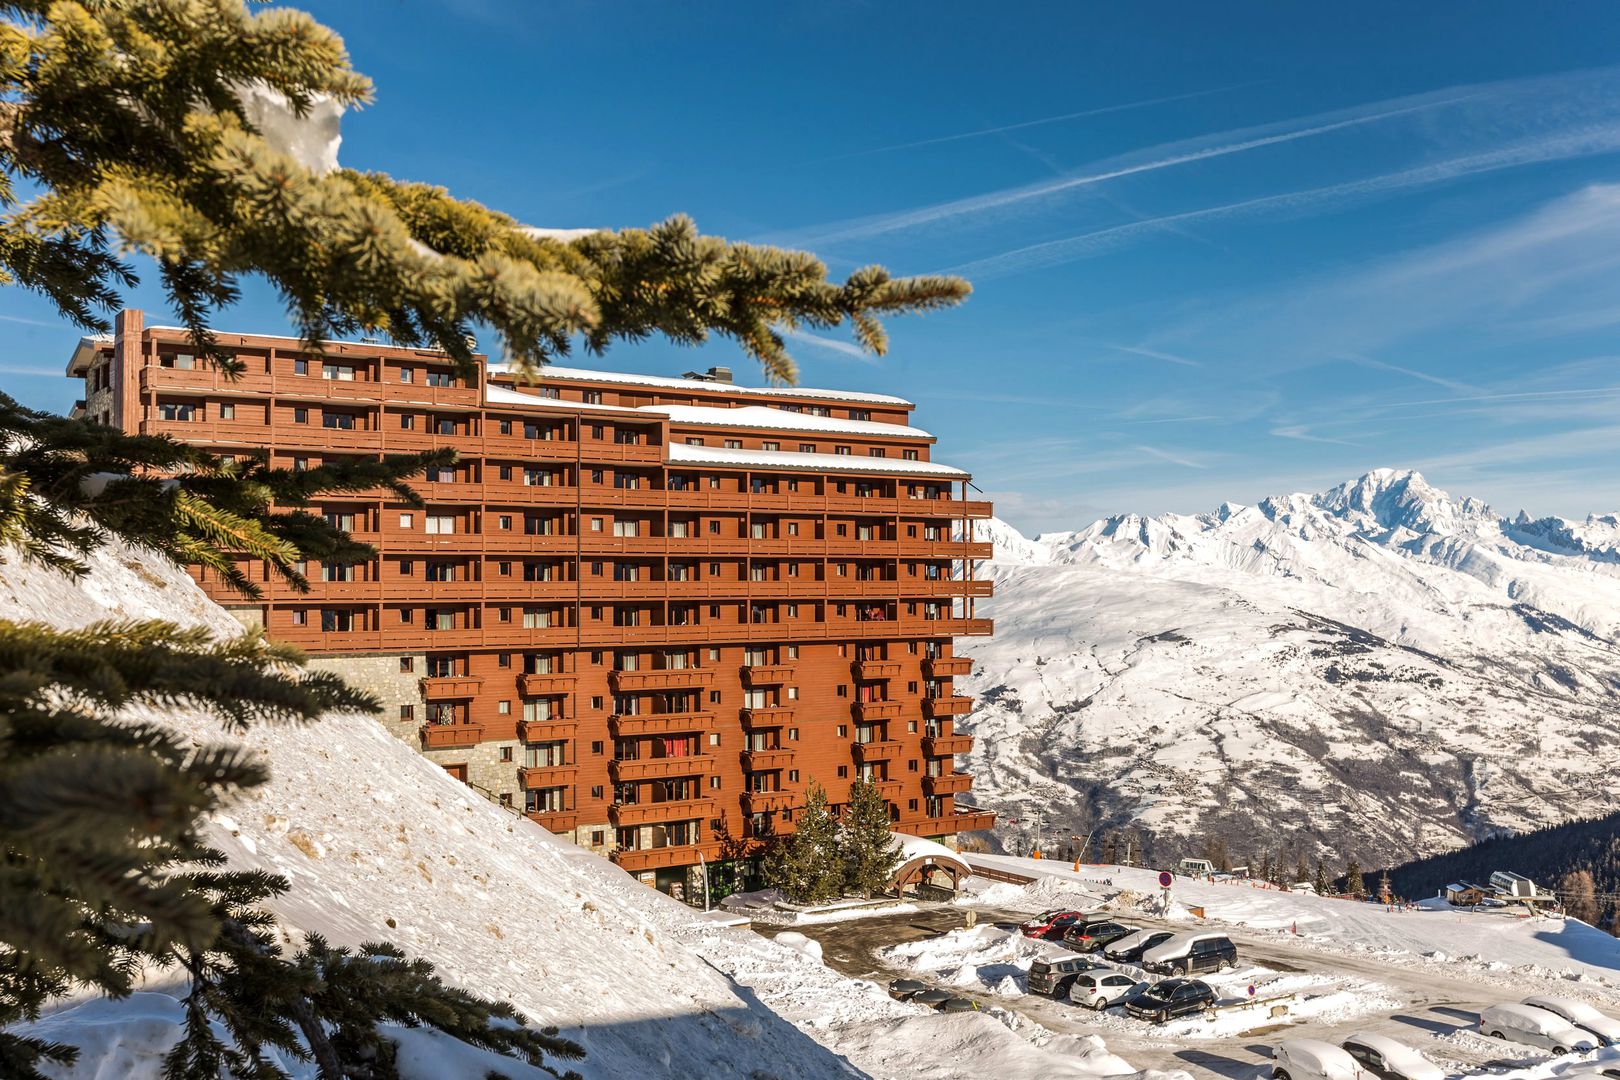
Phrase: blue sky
{"type": "Point", "coordinates": [1219, 250]}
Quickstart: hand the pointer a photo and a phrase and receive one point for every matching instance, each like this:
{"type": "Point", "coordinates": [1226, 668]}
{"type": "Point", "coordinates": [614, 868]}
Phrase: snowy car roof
{"type": "Point", "coordinates": [1321, 1057]}
{"type": "Point", "coordinates": [1131, 941]}
{"type": "Point", "coordinates": [1405, 1059]}
{"type": "Point", "coordinates": [1568, 1008]}
{"type": "Point", "coordinates": [1180, 944]}
{"type": "Point", "coordinates": [1528, 1018]}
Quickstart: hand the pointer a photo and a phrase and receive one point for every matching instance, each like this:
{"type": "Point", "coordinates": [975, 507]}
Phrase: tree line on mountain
{"type": "Point", "coordinates": [1578, 859]}
{"type": "Point", "coordinates": [125, 129]}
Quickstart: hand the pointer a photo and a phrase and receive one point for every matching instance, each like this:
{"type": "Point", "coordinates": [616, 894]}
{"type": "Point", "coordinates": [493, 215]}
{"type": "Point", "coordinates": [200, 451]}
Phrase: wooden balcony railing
{"type": "Point", "coordinates": [949, 784]}
{"type": "Point", "coordinates": [626, 727]}
{"type": "Point", "coordinates": [952, 705]}
{"type": "Point", "coordinates": [759, 802]}
{"type": "Point", "coordinates": [769, 674]}
{"type": "Point", "coordinates": [767, 716]}
{"type": "Point", "coordinates": [446, 736]}
{"type": "Point", "coordinates": [555, 729]}
{"type": "Point", "coordinates": [870, 670]}
{"type": "Point", "coordinates": [877, 750]}
{"type": "Point", "coordinates": [623, 772]}
{"type": "Point", "coordinates": [946, 667]}
{"type": "Point", "coordinates": [867, 711]}
{"type": "Point", "coordinates": [658, 858]}
{"type": "Point", "coordinates": [625, 814]}
{"type": "Point", "coordinates": [946, 745]}
{"type": "Point", "coordinates": [767, 760]}
{"type": "Point", "coordinates": [451, 687]}
{"type": "Point", "coordinates": [549, 684]}
{"type": "Point", "coordinates": [546, 776]}
{"type": "Point", "coordinates": [558, 821]}
{"type": "Point", "coordinates": [680, 679]}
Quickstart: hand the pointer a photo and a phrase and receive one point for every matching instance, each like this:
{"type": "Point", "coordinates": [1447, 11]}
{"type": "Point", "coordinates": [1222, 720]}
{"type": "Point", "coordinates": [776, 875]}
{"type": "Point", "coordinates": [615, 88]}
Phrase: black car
{"type": "Point", "coordinates": [1129, 951]}
{"type": "Point", "coordinates": [1171, 998]}
{"type": "Point", "coordinates": [1055, 977]}
{"type": "Point", "coordinates": [906, 989]}
{"type": "Point", "coordinates": [1188, 953]}
{"type": "Point", "coordinates": [1091, 936]}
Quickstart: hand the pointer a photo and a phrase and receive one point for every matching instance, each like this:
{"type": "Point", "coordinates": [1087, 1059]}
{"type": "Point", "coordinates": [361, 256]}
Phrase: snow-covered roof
{"type": "Point", "coordinates": [1408, 1061]}
{"type": "Point", "coordinates": [912, 848]}
{"type": "Point", "coordinates": [682, 454]}
{"type": "Point", "coordinates": [552, 371]}
{"type": "Point", "coordinates": [761, 416]}
{"type": "Point", "coordinates": [85, 352]}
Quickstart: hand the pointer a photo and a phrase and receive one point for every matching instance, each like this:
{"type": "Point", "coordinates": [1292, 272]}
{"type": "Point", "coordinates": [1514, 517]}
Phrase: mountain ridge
{"type": "Point", "coordinates": [1378, 670]}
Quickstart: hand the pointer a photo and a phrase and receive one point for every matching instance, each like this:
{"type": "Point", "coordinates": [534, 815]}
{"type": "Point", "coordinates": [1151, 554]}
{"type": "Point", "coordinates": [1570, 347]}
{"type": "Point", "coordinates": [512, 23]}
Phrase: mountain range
{"type": "Point", "coordinates": [1378, 671]}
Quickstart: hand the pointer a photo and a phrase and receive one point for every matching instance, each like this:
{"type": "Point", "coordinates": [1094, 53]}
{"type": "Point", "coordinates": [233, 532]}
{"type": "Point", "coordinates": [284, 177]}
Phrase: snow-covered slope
{"type": "Point", "coordinates": [1379, 669]}
{"type": "Point", "coordinates": [381, 844]}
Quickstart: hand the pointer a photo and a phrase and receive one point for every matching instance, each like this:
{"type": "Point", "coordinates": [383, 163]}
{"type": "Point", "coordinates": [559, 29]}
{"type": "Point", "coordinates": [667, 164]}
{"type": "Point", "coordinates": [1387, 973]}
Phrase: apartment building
{"type": "Point", "coordinates": [646, 612]}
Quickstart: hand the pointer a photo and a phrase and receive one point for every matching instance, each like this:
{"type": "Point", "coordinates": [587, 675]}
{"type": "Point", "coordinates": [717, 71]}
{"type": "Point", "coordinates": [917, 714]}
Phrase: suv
{"type": "Point", "coordinates": [1312, 1059]}
{"type": "Point", "coordinates": [1129, 950]}
{"type": "Point", "coordinates": [1056, 977]}
{"type": "Point", "coordinates": [1051, 924]}
{"type": "Point", "coordinates": [1090, 936]}
{"type": "Point", "coordinates": [1187, 953]}
{"type": "Point", "coordinates": [1173, 997]}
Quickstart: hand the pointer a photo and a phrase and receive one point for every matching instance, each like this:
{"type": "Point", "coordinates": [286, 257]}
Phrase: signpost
{"type": "Point", "coordinates": [1166, 879]}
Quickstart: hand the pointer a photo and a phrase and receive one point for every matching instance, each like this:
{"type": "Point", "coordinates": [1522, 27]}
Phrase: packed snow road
{"type": "Point", "coordinates": [1330, 995]}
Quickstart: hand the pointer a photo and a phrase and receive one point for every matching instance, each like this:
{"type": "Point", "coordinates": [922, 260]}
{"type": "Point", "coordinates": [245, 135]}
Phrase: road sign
{"type": "Point", "coordinates": [1253, 989]}
{"type": "Point", "coordinates": [1165, 878]}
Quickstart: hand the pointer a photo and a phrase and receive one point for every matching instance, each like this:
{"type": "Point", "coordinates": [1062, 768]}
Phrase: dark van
{"type": "Point", "coordinates": [1187, 953]}
{"type": "Point", "coordinates": [1055, 978]}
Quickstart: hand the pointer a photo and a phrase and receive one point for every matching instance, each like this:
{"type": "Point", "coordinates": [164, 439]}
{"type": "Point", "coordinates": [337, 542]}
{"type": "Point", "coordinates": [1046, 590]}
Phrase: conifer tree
{"type": "Point", "coordinates": [807, 865]}
{"type": "Point", "coordinates": [1352, 880]}
{"type": "Point", "coordinates": [869, 851]}
{"type": "Point", "coordinates": [191, 132]}
{"type": "Point", "coordinates": [1320, 881]}
{"type": "Point", "coordinates": [1301, 871]}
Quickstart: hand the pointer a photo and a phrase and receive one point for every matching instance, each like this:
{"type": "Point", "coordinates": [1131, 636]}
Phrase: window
{"type": "Point", "coordinates": [445, 427]}
{"type": "Point", "coordinates": [227, 412]}
{"type": "Point", "coordinates": [406, 665]}
{"type": "Point", "coordinates": [807, 448]}
{"type": "Point", "coordinates": [841, 450]}
{"type": "Point", "coordinates": [300, 416]}
{"type": "Point", "coordinates": [336, 620]}
{"type": "Point", "coordinates": [440, 378]}
{"type": "Point", "coordinates": [771, 446]}
{"type": "Point", "coordinates": [860, 414]}
{"type": "Point", "coordinates": [877, 451]}
{"type": "Point", "coordinates": [503, 521]}
{"type": "Point", "coordinates": [407, 422]}
{"type": "Point", "coordinates": [733, 444]}
{"type": "Point", "coordinates": [694, 441]}
{"type": "Point", "coordinates": [506, 427]}
{"type": "Point", "coordinates": [407, 712]}
{"type": "Point", "coordinates": [299, 618]}
{"type": "Point", "coordinates": [909, 455]}
{"type": "Point", "coordinates": [342, 421]}
{"type": "Point", "coordinates": [592, 397]}
{"type": "Point", "coordinates": [441, 523]}
{"type": "Point", "coordinates": [337, 372]}
{"type": "Point", "coordinates": [300, 367]}
{"type": "Point", "coordinates": [405, 523]}
{"type": "Point", "coordinates": [535, 619]}
{"type": "Point", "coordinates": [406, 375]}
{"type": "Point", "coordinates": [179, 412]}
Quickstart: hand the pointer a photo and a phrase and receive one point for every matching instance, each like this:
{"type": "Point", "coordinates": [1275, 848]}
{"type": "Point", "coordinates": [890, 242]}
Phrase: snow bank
{"type": "Point", "coordinates": [380, 843]}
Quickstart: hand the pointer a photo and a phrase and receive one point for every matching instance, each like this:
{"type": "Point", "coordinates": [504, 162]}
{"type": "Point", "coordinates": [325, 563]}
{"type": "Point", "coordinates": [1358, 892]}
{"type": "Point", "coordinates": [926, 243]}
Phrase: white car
{"type": "Point", "coordinates": [1606, 1029]}
{"type": "Point", "coordinates": [1387, 1059]}
{"type": "Point", "coordinates": [1534, 1027]}
{"type": "Point", "coordinates": [1312, 1059]}
{"type": "Point", "coordinates": [1102, 988]}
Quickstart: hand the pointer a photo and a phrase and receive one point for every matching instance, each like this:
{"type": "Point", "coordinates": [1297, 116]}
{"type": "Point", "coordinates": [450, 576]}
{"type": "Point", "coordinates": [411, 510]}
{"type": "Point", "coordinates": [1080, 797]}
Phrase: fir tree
{"type": "Point", "coordinates": [870, 854]}
{"type": "Point", "coordinates": [1352, 880]}
{"type": "Point", "coordinates": [143, 126]}
{"type": "Point", "coordinates": [1320, 881]}
{"type": "Point", "coordinates": [807, 865]}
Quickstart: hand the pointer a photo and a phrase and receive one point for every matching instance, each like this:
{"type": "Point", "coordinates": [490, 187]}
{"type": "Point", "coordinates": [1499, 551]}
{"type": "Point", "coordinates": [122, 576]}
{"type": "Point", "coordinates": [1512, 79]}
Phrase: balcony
{"type": "Point", "coordinates": [680, 679]}
{"type": "Point", "coordinates": [769, 674]}
{"type": "Point", "coordinates": [952, 705]}
{"type": "Point", "coordinates": [626, 727]}
{"type": "Point", "coordinates": [766, 760]}
{"type": "Point", "coordinates": [946, 745]}
{"type": "Point", "coordinates": [949, 784]}
{"type": "Point", "coordinates": [655, 813]}
{"type": "Point", "coordinates": [450, 688]}
{"type": "Point", "coordinates": [870, 670]}
{"type": "Point", "coordinates": [966, 820]}
{"type": "Point", "coordinates": [446, 736]}
{"type": "Point", "coordinates": [558, 821]}
{"type": "Point", "coordinates": [544, 776]}
{"type": "Point", "coordinates": [767, 716]}
{"type": "Point", "coordinates": [623, 772]}
{"type": "Point", "coordinates": [550, 730]}
{"type": "Point", "coordinates": [760, 802]}
{"type": "Point", "coordinates": [546, 685]}
{"type": "Point", "coordinates": [947, 667]}
{"type": "Point", "coordinates": [889, 789]}
{"type": "Point", "coordinates": [658, 858]}
{"type": "Point", "coordinates": [866, 711]}
{"type": "Point", "coordinates": [877, 750]}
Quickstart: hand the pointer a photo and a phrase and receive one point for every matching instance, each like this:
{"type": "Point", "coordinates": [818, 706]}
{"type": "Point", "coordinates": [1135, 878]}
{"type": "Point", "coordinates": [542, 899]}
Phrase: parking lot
{"type": "Point", "coordinates": [1429, 1010]}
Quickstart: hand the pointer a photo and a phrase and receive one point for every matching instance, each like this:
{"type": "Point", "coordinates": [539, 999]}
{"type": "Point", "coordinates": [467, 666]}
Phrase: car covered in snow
{"type": "Point", "coordinates": [1187, 953]}
{"type": "Point", "coordinates": [1103, 987]}
{"type": "Point", "coordinates": [1092, 936]}
{"type": "Point", "coordinates": [1050, 925]}
{"type": "Point", "coordinates": [1129, 949]}
{"type": "Point", "coordinates": [1531, 1026]}
{"type": "Point", "coordinates": [1312, 1059]}
{"type": "Point", "coordinates": [1054, 976]}
{"type": "Point", "coordinates": [1605, 1029]}
{"type": "Point", "coordinates": [1170, 998]}
{"type": "Point", "coordinates": [906, 989]}
{"type": "Point", "coordinates": [1387, 1059]}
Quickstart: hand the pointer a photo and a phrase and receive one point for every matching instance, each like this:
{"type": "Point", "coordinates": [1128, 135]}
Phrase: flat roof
{"type": "Point", "coordinates": [682, 454]}
{"type": "Point", "coordinates": [765, 417]}
{"type": "Point", "coordinates": [663, 382]}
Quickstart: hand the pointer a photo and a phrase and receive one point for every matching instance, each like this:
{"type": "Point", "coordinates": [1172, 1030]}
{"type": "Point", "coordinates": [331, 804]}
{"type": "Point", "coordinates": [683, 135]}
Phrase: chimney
{"type": "Point", "coordinates": [720, 374]}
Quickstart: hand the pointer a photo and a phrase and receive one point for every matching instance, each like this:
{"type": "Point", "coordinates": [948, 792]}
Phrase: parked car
{"type": "Point", "coordinates": [932, 998]}
{"type": "Point", "coordinates": [906, 989]}
{"type": "Point", "coordinates": [1312, 1059]}
{"type": "Point", "coordinates": [1054, 977]}
{"type": "Point", "coordinates": [1388, 1059]}
{"type": "Point", "coordinates": [1187, 953]}
{"type": "Point", "coordinates": [1129, 949]}
{"type": "Point", "coordinates": [1170, 998]}
{"type": "Point", "coordinates": [1605, 1029]}
{"type": "Point", "coordinates": [1534, 1027]}
{"type": "Point", "coordinates": [958, 1004]}
{"type": "Point", "coordinates": [1102, 988]}
{"type": "Point", "coordinates": [1051, 924]}
{"type": "Point", "coordinates": [1090, 936]}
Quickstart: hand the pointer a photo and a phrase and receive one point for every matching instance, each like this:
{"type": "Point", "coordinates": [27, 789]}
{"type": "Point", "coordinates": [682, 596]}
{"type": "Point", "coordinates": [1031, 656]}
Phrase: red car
{"type": "Point", "coordinates": [1051, 924]}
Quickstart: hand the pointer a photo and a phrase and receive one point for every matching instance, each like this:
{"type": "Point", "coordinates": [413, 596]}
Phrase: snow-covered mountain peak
{"type": "Point", "coordinates": [1390, 499]}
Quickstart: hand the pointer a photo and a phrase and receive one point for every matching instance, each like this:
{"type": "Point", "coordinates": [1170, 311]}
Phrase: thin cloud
{"type": "Point", "coordinates": [842, 348]}
{"type": "Point", "coordinates": [1021, 125]}
{"type": "Point", "coordinates": [1302, 433]}
{"type": "Point", "coordinates": [1587, 143]}
{"type": "Point", "coordinates": [1413, 373]}
{"type": "Point", "coordinates": [1155, 354]}
{"type": "Point", "coordinates": [1174, 459]}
